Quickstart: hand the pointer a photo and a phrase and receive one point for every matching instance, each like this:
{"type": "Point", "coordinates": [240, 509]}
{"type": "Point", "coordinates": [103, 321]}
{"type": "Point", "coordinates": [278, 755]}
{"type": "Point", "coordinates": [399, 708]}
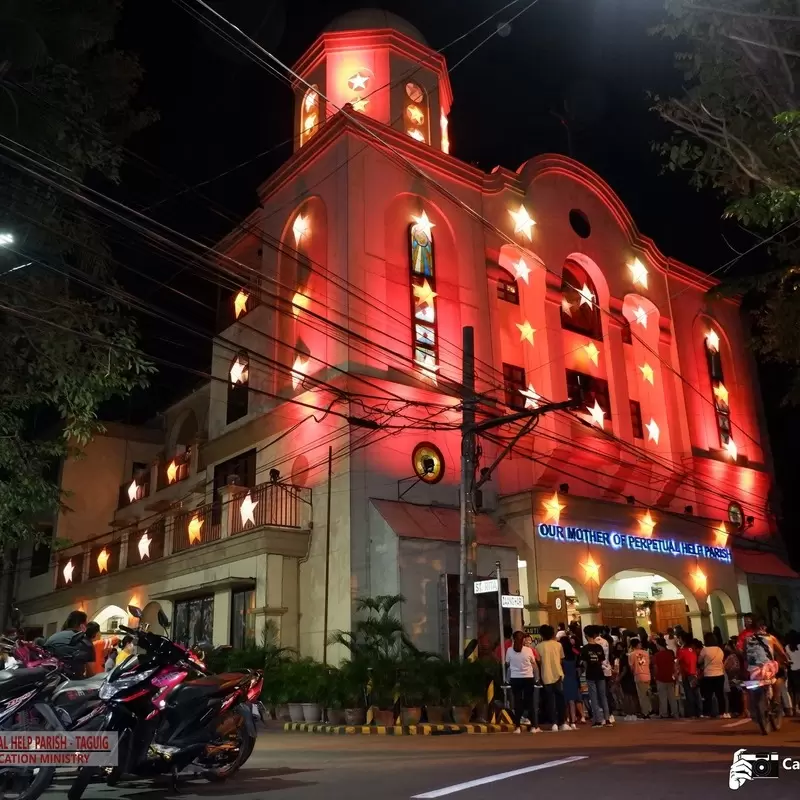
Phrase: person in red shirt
{"type": "Point", "coordinates": [749, 629]}
{"type": "Point", "coordinates": [499, 654]}
{"type": "Point", "coordinates": [664, 667]}
{"type": "Point", "coordinates": [687, 667]}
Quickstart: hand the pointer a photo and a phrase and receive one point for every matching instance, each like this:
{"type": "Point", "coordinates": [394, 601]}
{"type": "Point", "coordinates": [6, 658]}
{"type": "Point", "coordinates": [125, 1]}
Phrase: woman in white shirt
{"type": "Point", "coordinates": [712, 684]}
{"type": "Point", "coordinates": [523, 674]}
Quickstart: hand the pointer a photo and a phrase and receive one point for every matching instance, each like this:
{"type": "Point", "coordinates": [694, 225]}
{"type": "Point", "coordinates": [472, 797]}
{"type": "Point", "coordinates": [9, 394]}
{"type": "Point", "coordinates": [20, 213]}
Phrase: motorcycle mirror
{"type": "Point", "coordinates": [134, 611]}
{"type": "Point", "coordinates": [163, 620]}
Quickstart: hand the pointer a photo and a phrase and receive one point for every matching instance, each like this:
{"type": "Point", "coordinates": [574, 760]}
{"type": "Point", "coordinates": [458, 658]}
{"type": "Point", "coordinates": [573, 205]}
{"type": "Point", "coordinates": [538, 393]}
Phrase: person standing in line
{"type": "Point", "coordinates": [572, 693]}
{"type": "Point", "coordinates": [561, 633]}
{"type": "Point", "coordinates": [603, 638]}
{"type": "Point", "coordinates": [664, 668]}
{"type": "Point", "coordinates": [550, 656]}
{"type": "Point", "coordinates": [502, 647]}
{"type": "Point", "coordinates": [594, 658]}
{"type": "Point", "coordinates": [523, 675]}
{"type": "Point", "coordinates": [672, 641]}
{"type": "Point", "coordinates": [639, 659]}
{"type": "Point", "coordinates": [98, 664]}
{"type": "Point", "coordinates": [687, 668]}
{"type": "Point", "coordinates": [793, 652]}
{"type": "Point", "coordinates": [712, 684]}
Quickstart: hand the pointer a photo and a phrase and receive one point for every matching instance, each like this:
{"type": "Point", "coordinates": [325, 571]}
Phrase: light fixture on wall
{"type": "Point", "coordinates": [647, 524]}
{"type": "Point", "coordinates": [359, 81]}
{"type": "Point", "coordinates": [721, 535]}
{"type": "Point", "coordinates": [102, 560]}
{"type": "Point", "coordinates": [700, 580]}
{"type": "Point", "coordinates": [443, 123]}
{"type": "Point", "coordinates": [638, 272]}
{"type": "Point", "coordinates": [195, 528]}
{"type": "Point", "coordinates": [523, 222]}
{"type": "Point", "coordinates": [522, 270]}
{"type": "Point", "coordinates": [238, 371]}
{"type": "Point", "coordinates": [526, 332]}
{"type": "Point", "coordinates": [566, 307]}
{"type": "Point", "coordinates": [133, 491]}
{"type": "Point", "coordinates": [592, 570]}
{"type": "Point", "coordinates": [553, 508]}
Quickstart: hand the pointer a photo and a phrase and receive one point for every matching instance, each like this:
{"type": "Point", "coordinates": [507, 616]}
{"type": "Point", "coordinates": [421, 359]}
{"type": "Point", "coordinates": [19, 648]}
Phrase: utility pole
{"type": "Point", "coordinates": [468, 602]}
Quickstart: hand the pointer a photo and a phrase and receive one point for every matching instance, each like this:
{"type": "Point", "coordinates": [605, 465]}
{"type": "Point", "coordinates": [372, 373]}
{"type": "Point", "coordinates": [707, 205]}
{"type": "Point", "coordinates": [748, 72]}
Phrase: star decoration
{"type": "Point", "coordinates": [652, 431]}
{"type": "Point", "coordinates": [299, 371]}
{"type": "Point", "coordinates": [523, 222]}
{"type": "Point", "coordinates": [596, 414]}
{"type": "Point", "coordinates": [311, 100]}
{"type": "Point", "coordinates": [566, 306]}
{"type": "Point", "coordinates": [731, 450]}
{"type": "Point", "coordinates": [721, 536]}
{"type": "Point", "coordinates": [700, 580]}
{"type": "Point", "coordinates": [358, 81]}
{"type": "Point", "coordinates": [592, 570]}
{"type": "Point", "coordinates": [522, 270]}
{"type": "Point", "coordinates": [647, 524]}
{"type": "Point", "coordinates": [721, 393]}
{"type": "Point", "coordinates": [102, 560]}
{"type": "Point", "coordinates": [133, 492]}
{"type": "Point", "coordinates": [526, 332]}
{"type": "Point", "coordinates": [553, 508]}
{"type": "Point", "coordinates": [647, 373]}
{"type": "Point", "coordinates": [638, 272]}
{"type": "Point", "coordinates": [712, 341]}
{"type": "Point", "coordinates": [310, 122]}
{"type": "Point", "coordinates": [172, 471]}
{"type": "Point", "coordinates": [68, 571]}
{"type": "Point", "coordinates": [423, 224]}
{"type": "Point", "coordinates": [240, 303]}
{"type": "Point", "coordinates": [195, 525]}
{"type": "Point", "coordinates": [415, 115]}
{"type": "Point", "coordinates": [592, 352]}
{"type": "Point", "coordinates": [424, 294]}
{"type": "Point", "coordinates": [531, 397]}
{"type": "Point", "coordinates": [587, 298]}
{"type": "Point", "coordinates": [359, 104]}
{"type": "Point", "coordinates": [246, 510]}
{"type": "Point", "coordinates": [641, 316]}
{"type": "Point", "coordinates": [144, 546]}
{"type": "Point", "coordinates": [416, 133]}
{"type": "Point", "coordinates": [238, 372]}
{"type": "Point", "coordinates": [300, 227]}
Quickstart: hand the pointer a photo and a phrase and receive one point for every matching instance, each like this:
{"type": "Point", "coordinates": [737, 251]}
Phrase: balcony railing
{"type": "Point", "coordinates": [195, 527]}
{"type": "Point", "coordinates": [274, 504]}
{"type": "Point", "coordinates": [174, 471]}
{"type": "Point", "coordinates": [136, 489]}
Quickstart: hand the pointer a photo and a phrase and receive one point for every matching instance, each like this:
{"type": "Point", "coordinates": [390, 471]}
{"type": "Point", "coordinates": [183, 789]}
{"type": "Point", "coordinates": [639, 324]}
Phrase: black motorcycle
{"type": "Point", "coordinates": [171, 713]}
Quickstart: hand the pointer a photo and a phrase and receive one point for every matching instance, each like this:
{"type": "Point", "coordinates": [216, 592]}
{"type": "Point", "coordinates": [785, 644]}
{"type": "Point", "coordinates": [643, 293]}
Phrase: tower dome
{"type": "Point", "coordinates": [374, 19]}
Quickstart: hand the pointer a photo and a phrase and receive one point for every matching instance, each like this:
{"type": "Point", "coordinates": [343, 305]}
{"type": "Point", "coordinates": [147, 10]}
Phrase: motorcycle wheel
{"type": "Point", "coordinates": [758, 711]}
{"type": "Point", "coordinates": [246, 744]}
{"type": "Point", "coordinates": [41, 778]}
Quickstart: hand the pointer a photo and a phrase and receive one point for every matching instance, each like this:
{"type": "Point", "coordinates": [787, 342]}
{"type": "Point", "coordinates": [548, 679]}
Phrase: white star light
{"type": "Point", "coordinates": [358, 81]}
{"type": "Point", "coordinates": [566, 306]}
{"type": "Point", "coordinates": [523, 222]}
{"type": "Point", "coordinates": [246, 510]}
{"type": "Point", "coordinates": [587, 298]}
{"type": "Point", "coordinates": [732, 450]}
{"type": "Point", "coordinates": [712, 340]}
{"type": "Point", "coordinates": [531, 397]}
{"type": "Point", "coordinates": [423, 224]}
{"type": "Point", "coordinates": [238, 370]}
{"type": "Point", "coordinates": [133, 491]}
{"type": "Point", "coordinates": [144, 546]}
{"type": "Point", "coordinates": [522, 270]}
{"type": "Point", "coordinates": [300, 227]}
{"type": "Point", "coordinates": [641, 316]}
{"type": "Point", "coordinates": [638, 272]}
{"type": "Point", "coordinates": [597, 414]}
{"type": "Point", "coordinates": [68, 570]}
{"type": "Point", "coordinates": [652, 431]}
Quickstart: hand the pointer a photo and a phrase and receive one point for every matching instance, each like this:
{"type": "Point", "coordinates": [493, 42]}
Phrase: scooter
{"type": "Point", "coordinates": [167, 723]}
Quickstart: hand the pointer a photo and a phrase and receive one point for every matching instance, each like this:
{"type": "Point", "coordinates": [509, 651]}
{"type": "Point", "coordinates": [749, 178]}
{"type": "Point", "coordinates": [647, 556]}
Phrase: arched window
{"type": "Point", "coordinates": [580, 311]}
{"type": "Point", "coordinates": [309, 114]}
{"type": "Point", "coordinates": [423, 294]}
{"type": "Point", "coordinates": [238, 387]}
{"type": "Point", "coordinates": [415, 113]}
{"type": "Point", "coordinates": [718, 389]}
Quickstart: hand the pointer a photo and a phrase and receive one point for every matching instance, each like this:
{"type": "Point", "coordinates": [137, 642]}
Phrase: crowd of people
{"type": "Point", "coordinates": [575, 676]}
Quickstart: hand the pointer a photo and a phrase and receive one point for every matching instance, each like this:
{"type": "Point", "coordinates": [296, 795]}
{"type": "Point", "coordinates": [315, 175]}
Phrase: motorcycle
{"type": "Point", "coordinates": [167, 722]}
{"type": "Point", "coordinates": [766, 709]}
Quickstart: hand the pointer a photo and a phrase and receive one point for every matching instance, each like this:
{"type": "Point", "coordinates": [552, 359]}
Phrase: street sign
{"type": "Point", "coordinates": [513, 601]}
{"type": "Point", "coordinates": [484, 587]}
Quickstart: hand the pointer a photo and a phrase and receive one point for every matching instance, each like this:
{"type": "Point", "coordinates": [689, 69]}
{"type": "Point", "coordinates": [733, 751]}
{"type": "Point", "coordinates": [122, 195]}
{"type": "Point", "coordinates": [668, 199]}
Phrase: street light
{"type": "Point", "coordinates": [6, 238]}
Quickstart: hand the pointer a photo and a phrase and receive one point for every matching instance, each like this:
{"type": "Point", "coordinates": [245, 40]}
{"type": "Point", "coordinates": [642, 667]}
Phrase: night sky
{"type": "Point", "coordinates": [571, 77]}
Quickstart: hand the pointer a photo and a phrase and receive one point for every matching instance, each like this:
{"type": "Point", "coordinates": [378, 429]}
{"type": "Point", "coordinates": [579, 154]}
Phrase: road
{"type": "Point", "coordinates": [660, 760]}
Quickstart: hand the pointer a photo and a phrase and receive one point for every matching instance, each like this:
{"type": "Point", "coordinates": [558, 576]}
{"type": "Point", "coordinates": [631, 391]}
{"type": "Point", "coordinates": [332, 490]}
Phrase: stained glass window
{"type": "Point", "coordinates": [579, 309]}
{"type": "Point", "coordinates": [719, 392]}
{"type": "Point", "coordinates": [423, 295]}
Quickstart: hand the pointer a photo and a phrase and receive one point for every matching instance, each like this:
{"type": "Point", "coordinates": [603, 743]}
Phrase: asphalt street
{"type": "Point", "coordinates": [660, 760]}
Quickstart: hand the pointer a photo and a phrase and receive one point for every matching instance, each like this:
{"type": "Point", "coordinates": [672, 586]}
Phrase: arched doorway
{"type": "Point", "coordinates": [723, 613]}
{"type": "Point", "coordinates": [110, 618]}
{"type": "Point", "coordinates": [638, 598]}
{"type": "Point", "coordinates": [565, 598]}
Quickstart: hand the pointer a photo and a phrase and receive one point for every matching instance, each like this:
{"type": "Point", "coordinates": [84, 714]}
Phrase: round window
{"type": "Point", "coordinates": [580, 223]}
{"type": "Point", "coordinates": [428, 462]}
{"type": "Point", "coordinates": [414, 93]}
{"type": "Point", "coordinates": [736, 514]}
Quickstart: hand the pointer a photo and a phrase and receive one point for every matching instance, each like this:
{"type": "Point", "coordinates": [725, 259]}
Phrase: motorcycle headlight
{"type": "Point", "coordinates": [111, 688]}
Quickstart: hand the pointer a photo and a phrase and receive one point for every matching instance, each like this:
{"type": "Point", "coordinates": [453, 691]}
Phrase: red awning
{"type": "Point", "coordinates": [757, 563]}
{"type": "Point", "coordinates": [410, 521]}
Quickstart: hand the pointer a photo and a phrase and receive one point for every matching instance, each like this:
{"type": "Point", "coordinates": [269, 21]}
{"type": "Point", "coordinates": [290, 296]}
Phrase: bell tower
{"type": "Point", "coordinates": [380, 65]}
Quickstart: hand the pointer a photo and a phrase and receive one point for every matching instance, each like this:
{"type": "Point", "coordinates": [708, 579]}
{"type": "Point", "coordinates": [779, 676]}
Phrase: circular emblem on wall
{"type": "Point", "coordinates": [428, 462]}
{"type": "Point", "coordinates": [559, 603]}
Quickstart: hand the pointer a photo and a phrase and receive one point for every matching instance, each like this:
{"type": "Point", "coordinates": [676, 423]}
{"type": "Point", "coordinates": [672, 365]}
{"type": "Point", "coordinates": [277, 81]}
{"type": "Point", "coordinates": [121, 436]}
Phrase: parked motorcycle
{"type": "Point", "coordinates": [170, 713]}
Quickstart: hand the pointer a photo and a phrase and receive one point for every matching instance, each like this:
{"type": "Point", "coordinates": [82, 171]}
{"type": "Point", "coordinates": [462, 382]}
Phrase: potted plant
{"type": "Point", "coordinates": [436, 673]}
{"type": "Point", "coordinates": [413, 687]}
{"type": "Point", "coordinates": [382, 694]}
{"type": "Point", "coordinates": [313, 691]}
{"type": "Point", "coordinates": [354, 677]}
{"type": "Point", "coordinates": [468, 688]}
{"type": "Point", "coordinates": [333, 697]}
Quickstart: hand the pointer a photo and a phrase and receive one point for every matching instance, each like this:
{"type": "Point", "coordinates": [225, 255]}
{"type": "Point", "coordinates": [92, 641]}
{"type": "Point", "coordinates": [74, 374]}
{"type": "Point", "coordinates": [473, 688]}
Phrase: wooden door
{"type": "Point", "coordinates": [557, 600]}
{"type": "Point", "coordinates": [667, 614]}
{"type": "Point", "coordinates": [618, 613]}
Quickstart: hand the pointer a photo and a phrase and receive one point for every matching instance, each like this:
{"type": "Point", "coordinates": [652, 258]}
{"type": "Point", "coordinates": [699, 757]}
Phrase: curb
{"type": "Point", "coordinates": [394, 730]}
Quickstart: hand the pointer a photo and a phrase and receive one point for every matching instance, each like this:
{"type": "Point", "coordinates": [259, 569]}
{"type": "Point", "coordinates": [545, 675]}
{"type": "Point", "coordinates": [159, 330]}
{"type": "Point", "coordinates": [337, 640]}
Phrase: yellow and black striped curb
{"type": "Point", "coordinates": [395, 730]}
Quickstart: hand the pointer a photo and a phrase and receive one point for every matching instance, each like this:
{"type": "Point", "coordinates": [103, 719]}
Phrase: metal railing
{"type": "Point", "coordinates": [195, 527]}
{"type": "Point", "coordinates": [276, 504]}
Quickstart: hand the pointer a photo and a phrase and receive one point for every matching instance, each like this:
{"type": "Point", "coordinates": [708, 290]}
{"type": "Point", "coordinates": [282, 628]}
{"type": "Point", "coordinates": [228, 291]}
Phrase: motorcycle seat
{"type": "Point", "coordinates": [18, 678]}
{"type": "Point", "coordinates": [205, 687]}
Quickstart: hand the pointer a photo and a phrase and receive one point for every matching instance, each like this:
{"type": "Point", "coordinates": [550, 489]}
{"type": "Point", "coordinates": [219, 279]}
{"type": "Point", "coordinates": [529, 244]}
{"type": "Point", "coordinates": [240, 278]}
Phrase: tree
{"type": "Point", "coordinates": [65, 346]}
{"type": "Point", "coordinates": [738, 131]}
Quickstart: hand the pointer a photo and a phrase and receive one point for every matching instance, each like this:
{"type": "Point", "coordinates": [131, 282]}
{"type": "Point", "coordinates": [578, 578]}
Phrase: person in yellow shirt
{"type": "Point", "coordinates": [127, 648]}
